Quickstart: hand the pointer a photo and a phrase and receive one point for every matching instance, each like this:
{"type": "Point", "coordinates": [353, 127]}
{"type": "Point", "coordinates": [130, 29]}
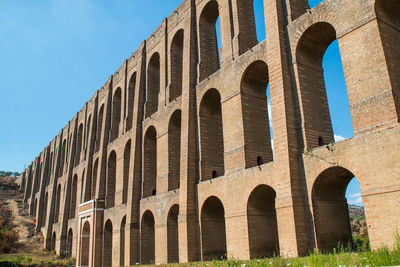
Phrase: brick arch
{"type": "Point", "coordinates": [316, 120]}
{"type": "Point", "coordinates": [58, 204]}
{"type": "Point", "coordinates": [330, 209]}
{"type": "Point", "coordinates": [176, 52]}
{"type": "Point", "coordinates": [111, 179]}
{"type": "Point", "coordinates": [388, 14]}
{"type": "Point", "coordinates": [85, 244]}
{"type": "Point", "coordinates": [256, 125]}
{"type": "Point", "coordinates": [209, 54]}
{"type": "Point", "coordinates": [126, 167]}
{"type": "Point", "coordinates": [262, 222]}
{"type": "Point", "coordinates": [174, 149]}
{"type": "Point", "coordinates": [150, 162]}
{"type": "Point", "coordinates": [73, 197]}
{"type": "Point", "coordinates": [122, 242]}
{"type": "Point", "coordinates": [147, 238]}
{"type": "Point", "coordinates": [213, 230]}
{"type": "Point", "coordinates": [172, 234]}
{"type": "Point", "coordinates": [70, 240]}
{"type": "Point", "coordinates": [131, 100]}
{"type": "Point", "coordinates": [108, 244]}
{"type": "Point", "coordinates": [99, 127]}
{"type": "Point", "coordinates": [153, 84]}
{"type": "Point", "coordinates": [116, 114]}
{"type": "Point", "coordinates": [79, 145]}
{"type": "Point", "coordinates": [211, 135]}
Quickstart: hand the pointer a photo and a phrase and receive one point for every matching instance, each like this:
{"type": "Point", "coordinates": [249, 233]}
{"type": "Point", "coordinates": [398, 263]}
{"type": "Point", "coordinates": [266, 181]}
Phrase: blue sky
{"type": "Point", "coordinates": [56, 53]}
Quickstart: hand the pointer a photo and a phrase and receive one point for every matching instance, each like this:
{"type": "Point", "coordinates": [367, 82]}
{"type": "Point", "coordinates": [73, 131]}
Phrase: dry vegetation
{"type": "Point", "coordinates": [20, 244]}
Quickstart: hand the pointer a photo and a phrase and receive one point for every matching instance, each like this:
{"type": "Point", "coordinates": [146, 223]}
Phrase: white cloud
{"type": "Point", "coordinates": [357, 202]}
{"type": "Point", "coordinates": [355, 195]}
{"type": "Point", "coordinates": [339, 138]}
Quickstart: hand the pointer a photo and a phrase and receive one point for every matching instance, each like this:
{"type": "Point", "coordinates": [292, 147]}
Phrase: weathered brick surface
{"type": "Point", "coordinates": [172, 159]}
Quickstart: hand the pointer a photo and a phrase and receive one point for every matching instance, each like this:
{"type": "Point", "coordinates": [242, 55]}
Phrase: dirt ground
{"type": "Point", "coordinates": [18, 219]}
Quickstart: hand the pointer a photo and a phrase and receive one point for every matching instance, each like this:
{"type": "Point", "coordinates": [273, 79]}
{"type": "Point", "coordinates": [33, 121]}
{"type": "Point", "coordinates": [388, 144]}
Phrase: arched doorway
{"type": "Point", "coordinates": [69, 242]}
{"type": "Point", "coordinates": [256, 125]}
{"type": "Point", "coordinates": [108, 244]}
{"type": "Point", "coordinates": [211, 136]}
{"type": "Point", "coordinates": [213, 232]}
{"type": "Point", "coordinates": [262, 223]}
{"type": "Point", "coordinates": [174, 150]}
{"type": "Point", "coordinates": [53, 241]}
{"type": "Point", "coordinates": [209, 51]}
{"type": "Point", "coordinates": [85, 244]}
{"type": "Point", "coordinates": [330, 208]}
{"type": "Point", "coordinates": [147, 238]}
{"type": "Point", "coordinates": [150, 162]}
{"type": "Point", "coordinates": [172, 234]}
{"type": "Point", "coordinates": [122, 242]}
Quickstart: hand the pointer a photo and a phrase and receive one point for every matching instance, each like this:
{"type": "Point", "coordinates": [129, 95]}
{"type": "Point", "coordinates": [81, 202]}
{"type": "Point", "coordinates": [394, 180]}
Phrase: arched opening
{"type": "Point", "coordinates": [247, 24]}
{"type": "Point", "coordinates": [87, 184]}
{"type": "Point", "coordinates": [147, 238]}
{"type": "Point", "coordinates": [262, 223]}
{"type": "Point", "coordinates": [213, 233]}
{"type": "Point", "coordinates": [85, 244]}
{"type": "Point", "coordinates": [388, 14]}
{"type": "Point", "coordinates": [35, 209]}
{"type": "Point", "coordinates": [256, 124]}
{"type": "Point", "coordinates": [94, 180]}
{"type": "Point", "coordinates": [125, 182]}
{"type": "Point", "coordinates": [153, 85]}
{"type": "Point", "coordinates": [116, 115]}
{"type": "Point", "coordinates": [209, 51]}
{"type": "Point", "coordinates": [99, 128]}
{"type": "Point", "coordinates": [131, 101]}
{"type": "Point", "coordinates": [175, 89]}
{"type": "Point", "coordinates": [82, 184]}
{"type": "Point", "coordinates": [53, 241]}
{"type": "Point", "coordinates": [172, 234]}
{"type": "Point", "coordinates": [87, 133]}
{"type": "Point", "coordinates": [211, 135]}
{"type": "Point", "coordinates": [63, 148]}
{"type": "Point", "coordinates": [122, 243]}
{"type": "Point", "coordinates": [111, 176]}
{"type": "Point", "coordinates": [258, 6]}
{"type": "Point", "coordinates": [174, 150]}
{"type": "Point", "coordinates": [108, 244]}
{"type": "Point", "coordinates": [150, 162]}
{"type": "Point", "coordinates": [50, 169]}
{"type": "Point", "coordinates": [312, 55]}
{"type": "Point", "coordinates": [46, 199]}
{"type": "Point", "coordinates": [69, 242]}
{"type": "Point", "coordinates": [73, 197]}
{"type": "Point", "coordinates": [79, 145]}
{"type": "Point", "coordinates": [331, 210]}
{"type": "Point", "coordinates": [58, 199]}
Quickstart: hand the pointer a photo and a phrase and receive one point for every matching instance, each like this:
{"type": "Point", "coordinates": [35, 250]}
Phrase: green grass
{"type": "Point", "coordinates": [33, 260]}
{"type": "Point", "coordinates": [341, 257]}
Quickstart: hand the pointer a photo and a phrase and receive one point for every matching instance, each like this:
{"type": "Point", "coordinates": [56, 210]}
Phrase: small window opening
{"type": "Point", "coordinates": [214, 174]}
{"type": "Point", "coordinates": [259, 161]}
{"type": "Point", "coordinates": [153, 193]}
{"type": "Point", "coordinates": [321, 141]}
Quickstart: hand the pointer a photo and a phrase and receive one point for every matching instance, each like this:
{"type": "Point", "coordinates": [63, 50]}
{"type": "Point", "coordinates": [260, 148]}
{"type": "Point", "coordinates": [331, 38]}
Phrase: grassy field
{"type": "Point", "coordinates": [20, 259]}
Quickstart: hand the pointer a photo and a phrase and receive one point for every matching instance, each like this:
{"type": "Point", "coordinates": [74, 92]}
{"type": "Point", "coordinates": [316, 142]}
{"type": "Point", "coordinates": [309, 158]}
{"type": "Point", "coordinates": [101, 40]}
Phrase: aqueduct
{"type": "Point", "coordinates": [172, 160]}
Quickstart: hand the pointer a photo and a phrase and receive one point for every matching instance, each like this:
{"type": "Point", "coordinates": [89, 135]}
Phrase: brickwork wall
{"type": "Point", "coordinates": [172, 158]}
